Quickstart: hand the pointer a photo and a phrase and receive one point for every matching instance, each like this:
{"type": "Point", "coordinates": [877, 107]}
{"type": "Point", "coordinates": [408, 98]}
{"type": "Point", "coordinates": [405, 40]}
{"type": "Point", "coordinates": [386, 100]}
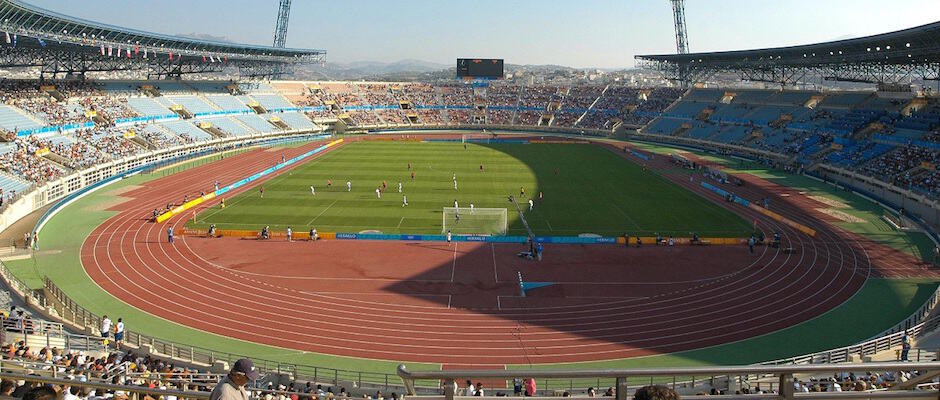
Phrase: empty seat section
{"type": "Point", "coordinates": [702, 131]}
{"type": "Point", "coordinates": [687, 109]}
{"type": "Point", "coordinates": [228, 103]}
{"type": "Point", "coordinates": [664, 126]}
{"type": "Point", "coordinates": [230, 126]}
{"type": "Point", "coordinates": [13, 120]}
{"type": "Point", "coordinates": [845, 99]}
{"type": "Point", "coordinates": [10, 183]}
{"type": "Point", "coordinates": [147, 107]}
{"type": "Point", "coordinates": [272, 101]}
{"type": "Point", "coordinates": [193, 104]}
{"type": "Point", "coordinates": [256, 122]}
{"type": "Point", "coordinates": [296, 120]}
{"type": "Point", "coordinates": [187, 129]}
{"type": "Point", "coordinates": [791, 98]}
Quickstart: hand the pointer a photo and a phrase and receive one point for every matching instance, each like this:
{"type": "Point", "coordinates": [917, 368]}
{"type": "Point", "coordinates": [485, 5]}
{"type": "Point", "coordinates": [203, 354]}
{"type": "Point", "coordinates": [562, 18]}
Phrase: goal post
{"type": "Point", "coordinates": [478, 221]}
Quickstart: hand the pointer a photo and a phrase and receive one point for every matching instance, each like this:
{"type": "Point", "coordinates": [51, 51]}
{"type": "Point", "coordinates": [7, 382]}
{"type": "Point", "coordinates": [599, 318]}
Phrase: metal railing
{"type": "Point", "coordinates": [784, 375]}
{"type": "Point", "coordinates": [74, 313]}
{"type": "Point", "coordinates": [133, 391]}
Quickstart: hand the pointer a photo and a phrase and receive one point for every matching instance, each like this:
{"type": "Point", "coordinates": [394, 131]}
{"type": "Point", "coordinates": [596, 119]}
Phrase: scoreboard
{"type": "Point", "coordinates": [483, 68]}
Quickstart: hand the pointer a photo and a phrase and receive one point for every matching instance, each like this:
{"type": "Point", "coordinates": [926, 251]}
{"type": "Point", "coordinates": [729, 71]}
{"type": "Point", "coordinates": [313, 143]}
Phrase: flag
{"type": "Point", "coordinates": [8, 37]}
{"type": "Point", "coordinates": [110, 50]}
{"type": "Point", "coordinates": [171, 55]}
{"type": "Point", "coordinates": [128, 52]}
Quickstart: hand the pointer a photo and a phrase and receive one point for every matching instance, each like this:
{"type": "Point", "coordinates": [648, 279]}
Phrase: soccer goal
{"type": "Point", "coordinates": [479, 221]}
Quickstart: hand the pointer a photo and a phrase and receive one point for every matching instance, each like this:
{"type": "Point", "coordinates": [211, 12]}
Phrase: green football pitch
{"type": "Point", "coordinates": [594, 191]}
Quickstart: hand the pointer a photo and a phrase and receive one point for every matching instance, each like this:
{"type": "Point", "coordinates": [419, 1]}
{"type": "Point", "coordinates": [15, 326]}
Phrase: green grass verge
{"type": "Point", "coordinates": [594, 191]}
{"type": "Point", "coordinates": [870, 223]}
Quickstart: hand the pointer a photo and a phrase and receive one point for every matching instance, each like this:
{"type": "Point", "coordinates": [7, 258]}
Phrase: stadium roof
{"type": "Point", "coordinates": [918, 44]}
{"type": "Point", "coordinates": [20, 18]}
{"type": "Point", "coordinates": [896, 58]}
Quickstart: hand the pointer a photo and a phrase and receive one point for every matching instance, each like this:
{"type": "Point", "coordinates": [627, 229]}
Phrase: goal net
{"type": "Point", "coordinates": [479, 221]}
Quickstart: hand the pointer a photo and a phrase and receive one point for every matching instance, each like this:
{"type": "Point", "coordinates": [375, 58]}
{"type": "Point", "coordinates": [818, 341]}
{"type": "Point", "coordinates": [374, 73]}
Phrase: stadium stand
{"type": "Point", "coordinates": [256, 122]}
{"type": "Point", "coordinates": [148, 107]}
{"type": "Point", "coordinates": [296, 120]}
{"type": "Point", "coordinates": [12, 119]}
{"type": "Point", "coordinates": [193, 104]}
{"type": "Point", "coordinates": [187, 130]}
{"type": "Point", "coordinates": [272, 101]}
{"type": "Point", "coordinates": [227, 103]}
{"type": "Point", "coordinates": [158, 136]}
{"type": "Point", "coordinates": [230, 125]}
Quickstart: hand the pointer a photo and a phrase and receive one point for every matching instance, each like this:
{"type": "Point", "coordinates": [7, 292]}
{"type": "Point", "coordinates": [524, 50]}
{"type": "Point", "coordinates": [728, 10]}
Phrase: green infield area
{"type": "Point", "coordinates": [585, 189]}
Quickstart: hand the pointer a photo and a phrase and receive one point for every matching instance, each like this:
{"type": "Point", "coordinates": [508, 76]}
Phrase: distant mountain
{"type": "Point", "coordinates": [204, 36]}
{"type": "Point", "coordinates": [371, 70]}
{"type": "Point", "coordinates": [413, 70]}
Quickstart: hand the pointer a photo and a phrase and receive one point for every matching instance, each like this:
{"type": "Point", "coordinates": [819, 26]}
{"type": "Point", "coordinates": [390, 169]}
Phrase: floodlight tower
{"type": "Point", "coordinates": [678, 13]}
{"type": "Point", "coordinates": [280, 32]}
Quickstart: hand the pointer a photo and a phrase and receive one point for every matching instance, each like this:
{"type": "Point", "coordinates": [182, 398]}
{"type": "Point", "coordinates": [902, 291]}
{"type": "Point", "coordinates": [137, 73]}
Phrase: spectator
{"type": "Point", "coordinates": [655, 392]}
{"type": "Point", "coordinates": [530, 387]}
{"type": "Point", "coordinates": [232, 386]}
{"type": "Point", "coordinates": [42, 392]}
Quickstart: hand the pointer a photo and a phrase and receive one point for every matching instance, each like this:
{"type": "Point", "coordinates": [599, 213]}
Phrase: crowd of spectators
{"type": "Point", "coordinates": [537, 96]}
{"type": "Point", "coordinates": [458, 116]}
{"type": "Point", "coordinates": [23, 162]}
{"type": "Point", "coordinates": [566, 118]}
{"type": "Point", "coordinates": [528, 117]}
{"type": "Point", "coordinates": [108, 107]}
{"type": "Point", "coordinates": [456, 95]}
{"type": "Point", "coordinates": [375, 94]}
{"type": "Point", "coordinates": [499, 117]}
{"type": "Point", "coordinates": [76, 154]}
{"type": "Point", "coordinates": [657, 100]}
{"type": "Point", "coordinates": [158, 138]}
{"type": "Point", "coordinates": [907, 167]}
{"type": "Point", "coordinates": [420, 94]}
{"type": "Point", "coordinates": [581, 97]}
{"type": "Point", "coordinates": [430, 116]}
{"type": "Point", "coordinates": [392, 116]}
{"type": "Point", "coordinates": [116, 368]}
{"type": "Point", "coordinates": [365, 117]}
{"type": "Point", "coordinates": [110, 141]}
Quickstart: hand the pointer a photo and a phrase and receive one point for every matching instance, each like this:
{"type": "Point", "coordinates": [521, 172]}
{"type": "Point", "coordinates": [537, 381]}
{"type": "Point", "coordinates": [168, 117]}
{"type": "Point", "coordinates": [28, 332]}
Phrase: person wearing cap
{"type": "Point", "coordinates": [232, 386]}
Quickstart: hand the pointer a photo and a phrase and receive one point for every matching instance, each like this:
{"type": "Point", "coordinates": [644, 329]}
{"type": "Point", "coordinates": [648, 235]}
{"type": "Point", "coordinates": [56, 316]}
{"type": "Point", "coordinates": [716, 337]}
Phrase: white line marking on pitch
{"type": "Point", "coordinates": [399, 222]}
{"type": "Point", "coordinates": [321, 212]}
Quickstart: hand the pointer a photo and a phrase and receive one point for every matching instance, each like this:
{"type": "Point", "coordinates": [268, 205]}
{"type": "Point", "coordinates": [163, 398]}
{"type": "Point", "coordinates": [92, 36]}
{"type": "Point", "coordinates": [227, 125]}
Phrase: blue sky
{"type": "Point", "coordinates": [581, 33]}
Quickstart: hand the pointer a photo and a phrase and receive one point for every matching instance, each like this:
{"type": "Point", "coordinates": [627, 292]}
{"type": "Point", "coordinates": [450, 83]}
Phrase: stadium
{"type": "Point", "coordinates": [723, 229]}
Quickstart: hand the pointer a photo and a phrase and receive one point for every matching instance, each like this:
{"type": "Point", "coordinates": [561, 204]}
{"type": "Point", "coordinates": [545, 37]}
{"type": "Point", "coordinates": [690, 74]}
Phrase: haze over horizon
{"type": "Point", "coordinates": [590, 33]}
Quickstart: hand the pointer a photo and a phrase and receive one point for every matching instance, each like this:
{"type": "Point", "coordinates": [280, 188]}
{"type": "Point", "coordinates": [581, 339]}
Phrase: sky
{"type": "Point", "coordinates": [575, 33]}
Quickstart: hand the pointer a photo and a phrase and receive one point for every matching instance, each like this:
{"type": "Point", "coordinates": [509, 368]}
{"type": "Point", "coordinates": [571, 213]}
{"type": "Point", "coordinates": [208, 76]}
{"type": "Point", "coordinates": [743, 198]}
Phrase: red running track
{"type": "Point", "coordinates": [458, 304]}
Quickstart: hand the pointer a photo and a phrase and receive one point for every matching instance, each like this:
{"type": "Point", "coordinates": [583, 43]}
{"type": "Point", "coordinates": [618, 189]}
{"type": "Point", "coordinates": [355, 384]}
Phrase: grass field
{"type": "Point", "coordinates": [595, 191]}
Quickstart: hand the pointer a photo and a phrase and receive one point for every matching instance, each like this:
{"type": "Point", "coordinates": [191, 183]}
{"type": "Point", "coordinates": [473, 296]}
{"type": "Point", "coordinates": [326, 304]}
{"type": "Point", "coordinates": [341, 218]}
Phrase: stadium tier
{"type": "Point", "coordinates": [848, 130]}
